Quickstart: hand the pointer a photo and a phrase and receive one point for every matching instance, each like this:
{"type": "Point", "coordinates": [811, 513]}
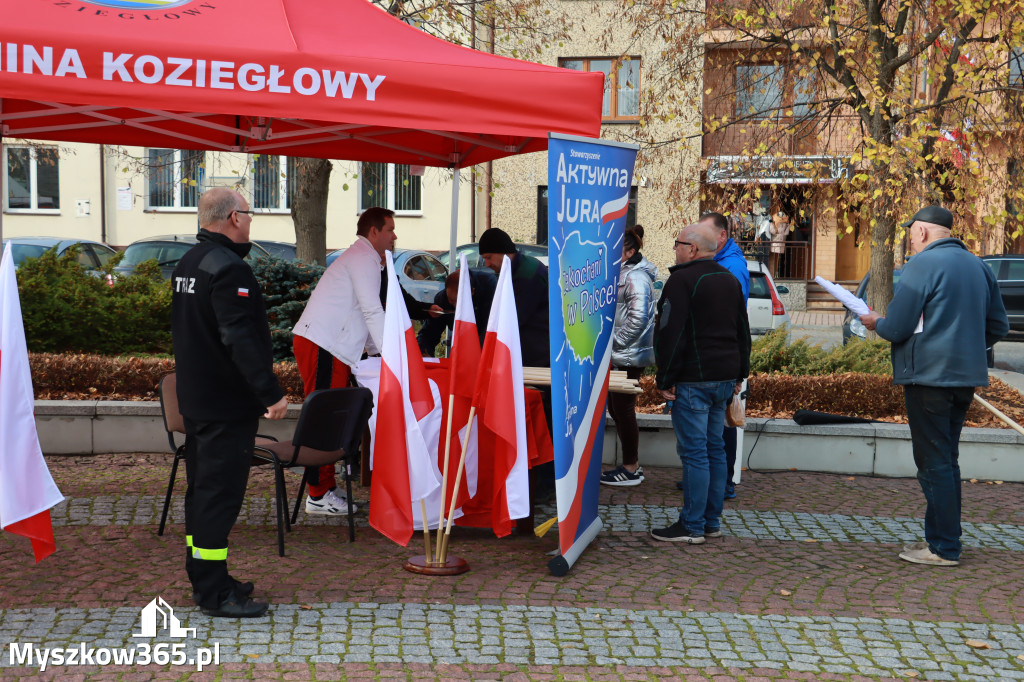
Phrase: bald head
{"type": "Point", "coordinates": [219, 212]}
{"type": "Point", "coordinates": [696, 241]}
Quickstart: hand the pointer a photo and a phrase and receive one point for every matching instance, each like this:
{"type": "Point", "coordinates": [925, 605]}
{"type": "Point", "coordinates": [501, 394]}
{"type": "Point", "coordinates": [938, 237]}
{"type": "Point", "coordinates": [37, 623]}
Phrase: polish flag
{"type": "Point", "coordinates": [404, 471]}
{"type": "Point", "coordinates": [614, 209]}
{"type": "Point", "coordinates": [500, 403]}
{"type": "Point", "coordinates": [465, 359]}
{"type": "Point", "coordinates": [27, 491]}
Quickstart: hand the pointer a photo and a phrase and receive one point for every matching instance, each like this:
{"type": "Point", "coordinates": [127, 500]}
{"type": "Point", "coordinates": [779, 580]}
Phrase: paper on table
{"type": "Point", "coordinates": [857, 306]}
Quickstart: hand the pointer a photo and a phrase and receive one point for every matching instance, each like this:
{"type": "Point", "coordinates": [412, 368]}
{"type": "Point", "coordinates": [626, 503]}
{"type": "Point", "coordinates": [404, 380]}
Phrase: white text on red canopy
{"type": "Point", "coordinates": [192, 73]}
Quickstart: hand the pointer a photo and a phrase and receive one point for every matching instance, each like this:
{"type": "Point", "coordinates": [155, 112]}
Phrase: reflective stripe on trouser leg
{"type": "Point", "coordinates": [210, 554]}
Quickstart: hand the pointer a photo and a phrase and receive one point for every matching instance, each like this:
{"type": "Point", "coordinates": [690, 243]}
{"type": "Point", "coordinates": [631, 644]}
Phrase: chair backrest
{"type": "Point", "coordinates": [173, 421]}
{"type": "Point", "coordinates": [334, 419]}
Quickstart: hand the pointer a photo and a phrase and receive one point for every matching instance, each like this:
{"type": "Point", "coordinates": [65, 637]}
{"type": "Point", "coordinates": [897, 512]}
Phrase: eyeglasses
{"type": "Point", "coordinates": [249, 213]}
{"type": "Point", "coordinates": [679, 243]}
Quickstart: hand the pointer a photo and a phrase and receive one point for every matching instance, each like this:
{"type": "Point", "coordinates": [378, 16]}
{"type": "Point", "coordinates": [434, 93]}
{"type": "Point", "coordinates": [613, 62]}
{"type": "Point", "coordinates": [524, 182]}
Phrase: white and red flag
{"type": "Point", "coordinates": [404, 468]}
{"type": "Point", "coordinates": [463, 364]}
{"type": "Point", "coordinates": [501, 411]}
{"type": "Point", "coordinates": [27, 491]}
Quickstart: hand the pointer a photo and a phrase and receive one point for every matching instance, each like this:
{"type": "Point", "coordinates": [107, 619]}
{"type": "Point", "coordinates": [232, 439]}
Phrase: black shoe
{"type": "Point", "coordinates": [235, 606]}
{"type": "Point", "coordinates": [241, 589]}
{"type": "Point", "coordinates": [680, 486]}
{"type": "Point", "coordinates": [677, 533]}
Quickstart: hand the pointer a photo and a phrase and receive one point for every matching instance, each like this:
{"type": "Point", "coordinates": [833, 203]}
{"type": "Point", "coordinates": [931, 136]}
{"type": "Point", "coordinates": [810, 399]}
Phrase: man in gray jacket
{"type": "Point", "coordinates": [945, 312]}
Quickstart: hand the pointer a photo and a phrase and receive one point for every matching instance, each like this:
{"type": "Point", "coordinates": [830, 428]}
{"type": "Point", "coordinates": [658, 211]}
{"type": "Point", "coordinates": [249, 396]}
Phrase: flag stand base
{"type": "Point", "coordinates": [420, 564]}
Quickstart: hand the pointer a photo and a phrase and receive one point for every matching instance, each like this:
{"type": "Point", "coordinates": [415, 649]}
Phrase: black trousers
{"type": "Point", "coordinates": [217, 462]}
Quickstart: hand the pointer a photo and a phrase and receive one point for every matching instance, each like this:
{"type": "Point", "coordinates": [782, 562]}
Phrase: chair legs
{"type": "Point", "coordinates": [281, 505]}
{"type": "Point", "coordinates": [179, 455]}
{"type": "Point", "coordinates": [302, 490]}
{"type": "Point", "coordinates": [348, 499]}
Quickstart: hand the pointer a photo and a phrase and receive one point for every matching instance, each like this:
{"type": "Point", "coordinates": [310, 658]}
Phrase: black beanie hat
{"type": "Point", "coordinates": [496, 241]}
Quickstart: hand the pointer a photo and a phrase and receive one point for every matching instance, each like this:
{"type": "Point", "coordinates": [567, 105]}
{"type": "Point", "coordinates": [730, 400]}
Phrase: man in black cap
{"type": "Point", "coordinates": [945, 312]}
{"type": "Point", "coordinates": [530, 285]}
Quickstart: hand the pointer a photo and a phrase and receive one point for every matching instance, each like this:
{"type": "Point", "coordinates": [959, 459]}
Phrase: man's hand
{"type": "Point", "coordinates": [670, 394]}
{"type": "Point", "coordinates": [435, 311]}
{"type": "Point", "coordinates": [738, 388]}
{"type": "Point", "coordinates": [870, 320]}
{"type": "Point", "coordinates": [277, 410]}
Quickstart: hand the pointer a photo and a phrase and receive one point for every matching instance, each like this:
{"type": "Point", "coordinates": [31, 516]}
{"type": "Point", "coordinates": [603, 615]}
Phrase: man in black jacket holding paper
{"type": "Point", "coordinates": [702, 349]}
{"type": "Point", "coordinates": [224, 363]}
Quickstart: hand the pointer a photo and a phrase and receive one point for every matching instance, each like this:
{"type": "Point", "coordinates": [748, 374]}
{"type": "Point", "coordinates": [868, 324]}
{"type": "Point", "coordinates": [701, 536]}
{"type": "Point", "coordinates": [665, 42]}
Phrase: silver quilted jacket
{"type": "Point", "coordinates": [633, 333]}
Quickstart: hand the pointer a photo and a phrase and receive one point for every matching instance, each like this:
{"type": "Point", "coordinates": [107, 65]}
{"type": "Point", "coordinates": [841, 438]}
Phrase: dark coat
{"type": "Point", "coordinates": [222, 349]}
{"type": "Point", "coordinates": [702, 331]}
{"type": "Point", "coordinates": [530, 285]}
{"type": "Point", "coordinates": [482, 282]}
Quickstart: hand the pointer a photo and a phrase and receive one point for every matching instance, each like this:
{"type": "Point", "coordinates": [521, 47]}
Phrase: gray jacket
{"type": "Point", "coordinates": [958, 298]}
{"type": "Point", "coordinates": [633, 332]}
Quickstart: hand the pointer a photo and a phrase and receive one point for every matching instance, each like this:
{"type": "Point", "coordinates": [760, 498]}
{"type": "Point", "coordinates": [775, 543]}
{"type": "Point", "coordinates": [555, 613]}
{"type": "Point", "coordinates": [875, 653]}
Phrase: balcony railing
{"type": "Point", "coordinates": [793, 263]}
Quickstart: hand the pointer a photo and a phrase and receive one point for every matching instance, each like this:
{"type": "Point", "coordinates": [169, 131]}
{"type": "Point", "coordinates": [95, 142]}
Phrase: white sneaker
{"type": "Point", "coordinates": [333, 503]}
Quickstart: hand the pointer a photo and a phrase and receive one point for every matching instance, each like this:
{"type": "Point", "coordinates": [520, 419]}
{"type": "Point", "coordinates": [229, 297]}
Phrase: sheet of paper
{"type": "Point", "coordinates": [857, 306]}
{"type": "Point", "coordinates": [124, 198]}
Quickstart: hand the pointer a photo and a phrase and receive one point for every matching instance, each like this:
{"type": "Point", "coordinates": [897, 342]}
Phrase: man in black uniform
{"type": "Point", "coordinates": [224, 361]}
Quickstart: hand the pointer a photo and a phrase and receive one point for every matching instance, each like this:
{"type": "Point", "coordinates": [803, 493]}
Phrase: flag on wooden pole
{"type": "Point", "coordinates": [27, 491]}
{"type": "Point", "coordinates": [403, 466]}
{"type": "Point", "coordinates": [500, 405]}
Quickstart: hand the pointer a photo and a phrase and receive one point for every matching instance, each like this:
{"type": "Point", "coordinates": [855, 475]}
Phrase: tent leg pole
{"type": "Point", "coordinates": [453, 258]}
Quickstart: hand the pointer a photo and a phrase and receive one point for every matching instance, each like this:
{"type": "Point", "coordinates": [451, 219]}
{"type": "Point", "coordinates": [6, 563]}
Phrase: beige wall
{"type": "Point", "coordinates": [80, 179]}
{"type": "Point", "coordinates": [599, 31]}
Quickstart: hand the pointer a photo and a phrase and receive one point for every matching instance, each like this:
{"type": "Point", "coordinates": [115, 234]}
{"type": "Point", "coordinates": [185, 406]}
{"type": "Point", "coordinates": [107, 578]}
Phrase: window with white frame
{"type": "Point", "coordinates": [273, 182]}
{"type": "Point", "coordinates": [389, 185]}
{"type": "Point", "coordinates": [763, 91]}
{"type": "Point", "coordinates": [176, 178]}
{"type": "Point", "coordinates": [32, 178]}
{"type": "Point", "coordinates": [621, 84]}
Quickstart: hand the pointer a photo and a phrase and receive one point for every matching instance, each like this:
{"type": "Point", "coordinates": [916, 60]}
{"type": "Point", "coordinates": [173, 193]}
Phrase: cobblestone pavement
{"type": "Point", "coordinates": [804, 585]}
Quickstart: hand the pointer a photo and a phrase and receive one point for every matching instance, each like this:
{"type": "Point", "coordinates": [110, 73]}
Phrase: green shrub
{"type": "Point", "coordinates": [68, 309]}
{"type": "Point", "coordinates": [773, 353]}
{"type": "Point", "coordinates": [286, 287]}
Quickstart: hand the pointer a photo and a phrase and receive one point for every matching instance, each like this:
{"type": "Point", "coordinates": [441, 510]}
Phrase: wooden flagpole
{"type": "Point", "coordinates": [458, 481]}
{"type": "Point", "coordinates": [994, 410]}
{"type": "Point", "coordinates": [426, 529]}
{"type": "Point", "coordinates": [444, 477]}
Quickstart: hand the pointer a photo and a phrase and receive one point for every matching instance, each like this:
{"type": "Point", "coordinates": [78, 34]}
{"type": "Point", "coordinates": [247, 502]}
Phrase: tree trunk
{"type": "Point", "coordinates": [309, 208]}
{"type": "Point", "coordinates": [880, 285]}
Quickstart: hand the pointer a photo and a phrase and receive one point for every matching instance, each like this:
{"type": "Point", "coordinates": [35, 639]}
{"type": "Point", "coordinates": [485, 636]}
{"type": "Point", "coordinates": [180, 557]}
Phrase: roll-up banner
{"type": "Point", "coordinates": [589, 183]}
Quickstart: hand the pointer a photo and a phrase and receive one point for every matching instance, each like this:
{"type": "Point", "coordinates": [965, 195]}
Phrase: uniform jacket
{"type": "Point", "coordinates": [530, 285]}
{"type": "Point", "coordinates": [958, 298]}
{"type": "Point", "coordinates": [633, 331]}
{"type": "Point", "coordinates": [344, 314]}
{"type": "Point", "coordinates": [222, 350]}
{"type": "Point", "coordinates": [702, 331]}
{"type": "Point", "coordinates": [731, 257]}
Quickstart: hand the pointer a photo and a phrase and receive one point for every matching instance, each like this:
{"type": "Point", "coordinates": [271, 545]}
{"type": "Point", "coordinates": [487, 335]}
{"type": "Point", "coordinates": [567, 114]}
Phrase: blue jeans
{"type": "Point", "coordinates": [698, 418]}
{"type": "Point", "coordinates": [936, 417]}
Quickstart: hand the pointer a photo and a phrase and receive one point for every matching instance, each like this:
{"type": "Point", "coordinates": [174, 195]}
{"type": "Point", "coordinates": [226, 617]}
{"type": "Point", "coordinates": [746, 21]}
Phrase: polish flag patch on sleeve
{"type": "Point", "coordinates": [243, 292]}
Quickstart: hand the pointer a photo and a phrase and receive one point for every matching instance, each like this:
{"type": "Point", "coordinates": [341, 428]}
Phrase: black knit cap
{"type": "Point", "coordinates": [496, 241]}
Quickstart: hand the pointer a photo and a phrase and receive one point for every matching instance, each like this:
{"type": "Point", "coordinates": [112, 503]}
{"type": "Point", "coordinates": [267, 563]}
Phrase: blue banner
{"type": "Point", "coordinates": [589, 183]}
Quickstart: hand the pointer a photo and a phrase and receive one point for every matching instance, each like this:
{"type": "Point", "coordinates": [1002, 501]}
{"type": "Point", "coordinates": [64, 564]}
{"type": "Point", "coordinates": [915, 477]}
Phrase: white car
{"type": "Point", "coordinates": [765, 310]}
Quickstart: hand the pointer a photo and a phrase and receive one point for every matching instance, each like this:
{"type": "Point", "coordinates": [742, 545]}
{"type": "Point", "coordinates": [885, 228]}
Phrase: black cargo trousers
{"type": "Point", "coordinates": [217, 460]}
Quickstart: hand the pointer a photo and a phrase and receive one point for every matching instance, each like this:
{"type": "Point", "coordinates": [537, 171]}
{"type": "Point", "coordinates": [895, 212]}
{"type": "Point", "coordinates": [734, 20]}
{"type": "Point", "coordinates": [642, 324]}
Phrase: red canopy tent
{"type": "Point", "coordinates": [337, 79]}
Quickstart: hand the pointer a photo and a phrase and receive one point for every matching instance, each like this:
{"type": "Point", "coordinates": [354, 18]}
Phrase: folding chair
{"type": "Point", "coordinates": [174, 423]}
{"type": "Point", "coordinates": [330, 428]}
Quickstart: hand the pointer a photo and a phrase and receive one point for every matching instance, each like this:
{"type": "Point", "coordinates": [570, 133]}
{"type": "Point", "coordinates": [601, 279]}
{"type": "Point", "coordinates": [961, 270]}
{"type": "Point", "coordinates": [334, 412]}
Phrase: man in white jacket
{"type": "Point", "coordinates": [343, 318]}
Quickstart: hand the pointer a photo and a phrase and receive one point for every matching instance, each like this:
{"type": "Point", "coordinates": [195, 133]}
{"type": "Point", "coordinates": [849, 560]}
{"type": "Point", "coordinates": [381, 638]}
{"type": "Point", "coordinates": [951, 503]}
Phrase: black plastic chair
{"type": "Point", "coordinates": [174, 423]}
{"type": "Point", "coordinates": [330, 429]}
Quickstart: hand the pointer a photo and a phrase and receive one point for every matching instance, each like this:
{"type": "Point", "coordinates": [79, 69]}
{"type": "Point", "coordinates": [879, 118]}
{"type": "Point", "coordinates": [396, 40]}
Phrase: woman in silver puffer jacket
{"type": "Point", "coordinates": [632, 350]}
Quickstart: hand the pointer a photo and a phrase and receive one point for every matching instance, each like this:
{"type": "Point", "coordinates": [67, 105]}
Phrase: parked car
{"type": "Point", "coordinates": [282, 250]}
{"type": "Point", "coordinates": [91, 255]}
{"type": "Point", "coordinates": [420, 273]}
{"type": "Point", "coordinates": [1009, 272]}
{"type": "Point", "coordinates": [167, 251]}
{"type": "Point", "coordinates": [852, 326]}
{"type": "Point", "coordinates": [472, 251]}
{"type": "Point", "coordinates": [765, 310]}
